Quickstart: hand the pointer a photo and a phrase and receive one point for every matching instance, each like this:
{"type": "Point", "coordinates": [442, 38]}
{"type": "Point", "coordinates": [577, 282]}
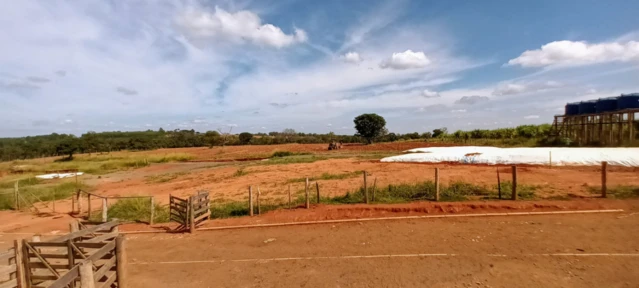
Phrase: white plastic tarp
{"type": "Point", "coordinates": [628, 157]}
{"type": "Point", "coordinates": [58, 175]}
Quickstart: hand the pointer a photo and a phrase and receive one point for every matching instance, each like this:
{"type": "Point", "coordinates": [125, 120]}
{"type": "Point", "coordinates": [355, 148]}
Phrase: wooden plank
{"type": "Point", "coordinates": [104, 269]}
{"type": "Point", "coordinates": [203, 216]}
{"type": "Point", "coordinates": [86, 274]}
{"type": "Point", "coordinates": [40, 265]}
{"type": "Point", "coordinates": [13, 283]}
{"type": "Point", "coordinates": [200, 211]}
{"type": "Point", "coordinates": [48, 244]}
{"type": "Point", "coordinates": [110, 280]}
{"type": "Point", "coordinates": [103, 251]}
{"type": "Point", "coordinates": [66, 279]}
{"type": "Point", "coordinates": [89, 245]}
{"type": "Point", "coordinates": [7, 269]}
{"type": "Point", "coordinates": [104, 226]}
{"type": "Point", "coordinates": [48, 255]}
{"type": "Point", "coordinates": [5, 256]}
{"type": "Point", "coordinates": [44, 277]}
{"type": "Point", "coordinates": [101, 238]}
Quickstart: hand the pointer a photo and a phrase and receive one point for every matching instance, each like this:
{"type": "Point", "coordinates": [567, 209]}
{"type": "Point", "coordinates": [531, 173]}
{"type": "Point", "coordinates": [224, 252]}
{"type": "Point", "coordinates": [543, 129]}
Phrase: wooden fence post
{"type": "Point", "coordinates": [17, 245]}
{"type": "Point", "coordinates": [318, 192]}
{"type": "Point", "coordinates": [498, 183]}
{"type": "Point", "coordinates": [16, 194]}
{"type": "Point", "coordinates": [79, 200]}
{"type": "Point", "coordinates": [365, 190]}
{"type": "Point", "coordinates": [550, 159]}
{"type": "Point", "coordinates": [250, 200]}
{"type": "Point", "coordinates": [604, 171]}
{"type": "Point", "coordinates": [436, 184]}
{"type": "Point", "coordinates": [89, 206]}
{"type": "Point", "coordinates": [86, 274]}
{"type": "Point", "coordinates": [74, 226]}
{"type": "Point", "coordinates": [191, 216]}
{"type": "Point", "coordinates": [289, 196]}
{"type": "Point", "coordinates": [259, 209]}
{"type": "Point", "coordinates": [152, 210]}
{"type": "Point", "coordinates": [308, 204]}
{"type": "Point", "coordinates": [105, 210]}
{"type": "Point", "coordinates": [121, 261]}
{"type": "Point", "coordinates": [514, 196]}
{"type": "Point", "coordinates": [374, 189]}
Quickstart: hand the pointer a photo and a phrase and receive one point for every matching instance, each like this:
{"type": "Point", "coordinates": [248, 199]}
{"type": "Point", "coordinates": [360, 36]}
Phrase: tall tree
{"type": "Point", "coordinates": [369, 126]}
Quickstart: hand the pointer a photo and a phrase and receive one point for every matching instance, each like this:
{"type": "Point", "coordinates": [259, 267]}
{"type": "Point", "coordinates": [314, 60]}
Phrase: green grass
{"type": "Point", "coordinates": [96, 164]}
{"type": "Point", "coordinates": [279, 154]}
{"type": "Point", "coordinates": [296, 159]}
{"type": "Point", "coordinates": [402, 193]}
{"type": "Point", "coordinates": [328, 176]}
{"type": "Point", "coordinates": [240, 172]}
{"type": "Point", "coordinates": [617, 192]}
{"type": "Point", "coordinates": [162, 178]}
{"type": "Point", "coordinates": [134, 209]}
{"type": "Point", "coordinates": [38, 193]}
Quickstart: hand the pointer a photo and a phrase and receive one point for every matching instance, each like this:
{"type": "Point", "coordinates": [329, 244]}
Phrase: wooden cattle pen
{"type": "Point", "coordinates": [92, 255]}
{"type": "Point", "coordinates": [607, 128]}
{"type": "Point", "coordinates": [190, 212]}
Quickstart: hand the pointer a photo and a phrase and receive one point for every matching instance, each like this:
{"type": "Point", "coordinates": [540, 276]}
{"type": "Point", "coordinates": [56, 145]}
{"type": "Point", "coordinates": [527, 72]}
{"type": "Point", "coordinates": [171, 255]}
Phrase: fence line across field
{"type": "Point", "coordinates": [105, 208]}
{"type": "Point", "coordinates": [514, 193]}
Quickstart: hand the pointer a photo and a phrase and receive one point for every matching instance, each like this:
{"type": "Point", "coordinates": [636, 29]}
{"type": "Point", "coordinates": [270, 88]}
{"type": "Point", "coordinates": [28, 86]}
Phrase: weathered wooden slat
{"type": "Point", "coordinates": [204, 216]}
{"type": "Point", "coordinates": [44, 277]}
{"type": "Point", "coordinates": [48, 244]}
{"type": "Point", "coordinates": [103, 251]}
{"type": "Point", "coordinates": [177, 200]}
{"type": "Point", "coordinates": [42, 266]}
{"type": "Point", "coordinates": [181, 218]}
{"type": "Point", "coordinates": [9, 284]}
{"type": "Point", "coordinates": [48, 256]}
{"type": "Point", "coordinates": [7, 269]}
{"type": "Point", "coordinates": [5, 256]}
{"type": "Point", "coordinates": [67, 278]}
{"type": "Point", "coordinates": [102, 238]}
{"type": "Point", "coordinates": [105, 226]}
{"type": "Point", "coordinates": [111, 278]}
{"type": "Point", "coordinates": [104, 269]}
{"type": "Point", "coordinates": [89, 245]}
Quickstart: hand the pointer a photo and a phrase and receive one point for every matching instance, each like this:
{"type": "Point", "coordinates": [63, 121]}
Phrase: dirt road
{"type": "Point", "coordinates": [517, 251]}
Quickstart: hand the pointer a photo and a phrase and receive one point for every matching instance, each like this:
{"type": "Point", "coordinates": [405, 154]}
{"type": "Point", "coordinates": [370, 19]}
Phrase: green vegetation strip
{"type": "Point", "coordinates": [403, 193]}
{"type": "Point", "coordinates": [33, 190]}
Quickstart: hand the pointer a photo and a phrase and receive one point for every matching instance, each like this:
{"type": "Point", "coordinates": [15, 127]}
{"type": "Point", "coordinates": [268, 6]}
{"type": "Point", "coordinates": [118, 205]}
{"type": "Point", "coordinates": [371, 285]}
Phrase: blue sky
{"type": "Point", "coordinates": [260, 66]}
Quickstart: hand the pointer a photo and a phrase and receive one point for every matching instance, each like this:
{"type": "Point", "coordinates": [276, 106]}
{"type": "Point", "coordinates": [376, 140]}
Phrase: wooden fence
{"type": "Point", "coordinates": [89, 256]}
{"type": "Point", "coordinates": [190, 212]}
{"type": "Point", "coordinates": [104, 204]}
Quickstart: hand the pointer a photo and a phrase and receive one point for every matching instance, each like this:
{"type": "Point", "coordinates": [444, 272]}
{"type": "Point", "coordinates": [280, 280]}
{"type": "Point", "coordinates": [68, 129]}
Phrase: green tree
{"type": "Point", "coordinates": [67, 146]}
{"type": "Point", "coordinates": [369, 126]}
{"type": "Point", "coordinates": [245, 138]}
{"type": "Point", "coordinates": [440, 132]}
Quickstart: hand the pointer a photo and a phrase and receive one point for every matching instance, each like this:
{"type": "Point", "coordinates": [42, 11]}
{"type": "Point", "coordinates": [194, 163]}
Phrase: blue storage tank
{"type": "Point", "coordinates": [572, 109]}
{"type": "Point", "coordinates": [587, 107]}
{"type": "Point", "coordinates": [628, 101]}
{"type": "Point", "coordinates": [606, 105]}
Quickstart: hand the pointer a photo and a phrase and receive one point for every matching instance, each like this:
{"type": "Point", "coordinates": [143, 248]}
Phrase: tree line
{"type": "Point", "coordinates": [96, 142]}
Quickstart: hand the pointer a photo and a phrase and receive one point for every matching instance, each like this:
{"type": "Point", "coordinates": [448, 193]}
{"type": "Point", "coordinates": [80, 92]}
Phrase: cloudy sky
{"type": "Point", "coordinates": [259, 66]}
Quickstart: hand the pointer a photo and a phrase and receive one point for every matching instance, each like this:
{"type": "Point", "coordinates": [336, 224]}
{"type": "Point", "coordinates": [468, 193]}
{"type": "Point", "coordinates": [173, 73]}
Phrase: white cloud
{"type": "Point", "coordinates": [577, 53]}
{"type": "Point", "coordinates": [239, 27]}
{"type": "Point", "coordinates": [518, 88]}
{"type": "Point", "coordinates": [430, 94]}
{"type": "Point", "coordinates": [531, 117]}
{"type": "Point", "coordinates": [406, 60]}
{"type": "Point", "coordinates": [509, 89]}
{"type": "Point", "coordinates": [591, 91]}
{"type": "Point", "coordinates": [458, 111]}
{"type": "Point", "coordinates": [329, 125]}
{"type": "Point", "coordinates": [351, 57]}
